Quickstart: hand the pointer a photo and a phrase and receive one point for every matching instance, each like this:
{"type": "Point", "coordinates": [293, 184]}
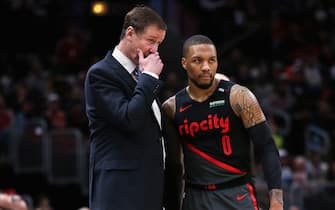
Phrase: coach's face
{"type": "Point", "coordinates": [200, 63]}
{"type": "Point", "coordinates": [148, 41]}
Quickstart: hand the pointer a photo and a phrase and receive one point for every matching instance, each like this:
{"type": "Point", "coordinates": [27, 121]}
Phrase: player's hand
{"type": "Point", "coordinates": [276, 207]}
{"type": "Point", "coordinates": [152, 63]}
{"type": "Point", "coordinates": [276, 199]}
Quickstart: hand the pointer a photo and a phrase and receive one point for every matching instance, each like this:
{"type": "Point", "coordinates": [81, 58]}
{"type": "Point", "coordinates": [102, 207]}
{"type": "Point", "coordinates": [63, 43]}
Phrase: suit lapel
{"type": "Point", "coordinates": [120, 70]}
{"type": "Point", "coordinates": [158, 102]}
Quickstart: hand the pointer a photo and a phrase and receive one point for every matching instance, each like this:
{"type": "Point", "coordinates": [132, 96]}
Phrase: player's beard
{"type": "Point", "coordinates": [202, 86]}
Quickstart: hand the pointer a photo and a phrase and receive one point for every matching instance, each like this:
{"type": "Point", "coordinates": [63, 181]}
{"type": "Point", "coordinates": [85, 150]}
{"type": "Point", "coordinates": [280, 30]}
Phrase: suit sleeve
{"type": "Point", "coordinates": [111, 99]}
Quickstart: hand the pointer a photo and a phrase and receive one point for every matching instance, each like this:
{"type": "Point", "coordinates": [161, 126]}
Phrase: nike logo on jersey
{"type": "Point", "coordinates": [241, 197]}
{"type": "Point", "coordinates": [182, 109]}
{"type": "Point", "coordinates": [216, 103]}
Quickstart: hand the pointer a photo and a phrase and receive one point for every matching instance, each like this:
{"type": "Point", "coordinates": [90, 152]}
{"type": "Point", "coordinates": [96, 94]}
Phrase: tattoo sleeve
{"type": "Point", "coordinates": [246, 106]}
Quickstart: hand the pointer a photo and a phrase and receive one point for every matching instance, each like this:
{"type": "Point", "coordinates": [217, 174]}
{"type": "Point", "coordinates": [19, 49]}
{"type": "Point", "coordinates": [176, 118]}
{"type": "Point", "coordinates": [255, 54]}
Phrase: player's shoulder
{"type": "Point", "coordinates": [240, 97]}
{"type": "Point", "coordinates": [169, 101]}
{"type": "Point", "coordinates": [169, 106]}
{"type": "Point", "coordinates": [241, 90]}
{"type": "Point", "coordinates": [221, 77]}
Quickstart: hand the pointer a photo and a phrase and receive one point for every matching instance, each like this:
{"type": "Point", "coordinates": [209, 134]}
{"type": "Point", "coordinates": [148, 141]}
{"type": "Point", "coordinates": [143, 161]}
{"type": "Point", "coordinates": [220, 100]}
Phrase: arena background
{"type": "Point", "coordinates": [283, 50]}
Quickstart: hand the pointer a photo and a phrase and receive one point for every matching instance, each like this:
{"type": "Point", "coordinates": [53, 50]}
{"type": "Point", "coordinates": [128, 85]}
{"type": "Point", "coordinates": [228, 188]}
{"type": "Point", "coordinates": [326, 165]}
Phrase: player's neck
{"type": "Point", "coordinates": [200, 95]}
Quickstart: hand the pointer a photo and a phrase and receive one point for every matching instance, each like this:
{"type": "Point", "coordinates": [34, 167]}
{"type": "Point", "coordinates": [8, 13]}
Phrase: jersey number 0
{"type": "Point", "coordinates": [226, 145]}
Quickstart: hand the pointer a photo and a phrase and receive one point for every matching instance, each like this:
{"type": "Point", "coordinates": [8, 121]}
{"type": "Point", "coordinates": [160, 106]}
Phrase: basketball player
{"type": "Point", "coordinates": [216, 122]}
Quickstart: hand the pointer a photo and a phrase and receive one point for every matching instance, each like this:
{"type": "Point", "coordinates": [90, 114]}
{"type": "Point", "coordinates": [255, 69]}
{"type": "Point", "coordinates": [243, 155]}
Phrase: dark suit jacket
{"type": "Point", "coordinates": [126, 158]}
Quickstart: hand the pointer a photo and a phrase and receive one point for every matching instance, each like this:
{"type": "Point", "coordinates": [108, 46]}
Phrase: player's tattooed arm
{"type": "Point", "coordinates": [276, 199]}
{"type": "Point", "coordinates": [246, 106]}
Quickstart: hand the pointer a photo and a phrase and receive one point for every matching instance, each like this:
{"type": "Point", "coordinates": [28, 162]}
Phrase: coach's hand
{"type": "Point", "coordinates": [152, 63]}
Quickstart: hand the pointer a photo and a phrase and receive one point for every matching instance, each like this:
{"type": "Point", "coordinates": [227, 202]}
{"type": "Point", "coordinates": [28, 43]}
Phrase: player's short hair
{"type": "Point", "coordinates": [140, 17]}
{"type": "Point", "coordinates": [195, 40]}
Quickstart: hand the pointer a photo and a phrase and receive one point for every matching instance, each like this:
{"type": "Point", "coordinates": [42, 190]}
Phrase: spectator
{"type": "Point", "coordinates": [6, 121]}
{"type": "Point", "coordinates": [56, 117]}
{"type": "Point", "coordinates": [12, 202]}
{"type": "Point", "coordinates": [43, 203]}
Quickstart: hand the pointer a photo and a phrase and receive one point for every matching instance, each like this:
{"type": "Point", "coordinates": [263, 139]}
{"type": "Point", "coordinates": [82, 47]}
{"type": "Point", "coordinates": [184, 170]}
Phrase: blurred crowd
{"type": "Point", "coordinates": [283, 50]}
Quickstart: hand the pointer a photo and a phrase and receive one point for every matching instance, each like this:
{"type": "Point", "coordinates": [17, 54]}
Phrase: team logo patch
{"type": "Point", "coordinates": [216, 103]}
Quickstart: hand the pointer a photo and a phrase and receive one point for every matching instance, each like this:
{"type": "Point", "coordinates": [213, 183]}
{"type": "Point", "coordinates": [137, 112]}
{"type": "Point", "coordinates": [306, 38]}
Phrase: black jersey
{"type": "Point", "coordinates": [215, 143]}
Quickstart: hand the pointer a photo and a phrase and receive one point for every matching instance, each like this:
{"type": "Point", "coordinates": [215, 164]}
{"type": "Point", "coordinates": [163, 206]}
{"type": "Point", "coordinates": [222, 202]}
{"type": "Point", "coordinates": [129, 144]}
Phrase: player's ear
{"type": "Point", "coordinates": [183, 62]}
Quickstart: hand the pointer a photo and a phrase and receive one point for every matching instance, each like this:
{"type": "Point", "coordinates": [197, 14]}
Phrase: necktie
{"type": "Point", "coordinates": [136, 73]}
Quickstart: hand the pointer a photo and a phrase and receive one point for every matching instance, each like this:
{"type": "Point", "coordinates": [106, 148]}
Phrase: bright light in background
{"type": "Point", "coordinates": [99, 8]}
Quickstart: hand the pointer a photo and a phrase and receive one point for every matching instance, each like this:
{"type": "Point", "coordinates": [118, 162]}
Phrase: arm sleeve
{"type": "Point", "coordinates": [110, 98]}
{"type": "Point", "coordinates": [264, 145]}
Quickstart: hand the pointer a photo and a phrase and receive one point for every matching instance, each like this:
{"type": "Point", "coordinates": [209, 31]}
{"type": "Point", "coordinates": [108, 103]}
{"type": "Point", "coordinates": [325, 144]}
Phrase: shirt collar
{"type": "Point", "coordinates": [123, 60]}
